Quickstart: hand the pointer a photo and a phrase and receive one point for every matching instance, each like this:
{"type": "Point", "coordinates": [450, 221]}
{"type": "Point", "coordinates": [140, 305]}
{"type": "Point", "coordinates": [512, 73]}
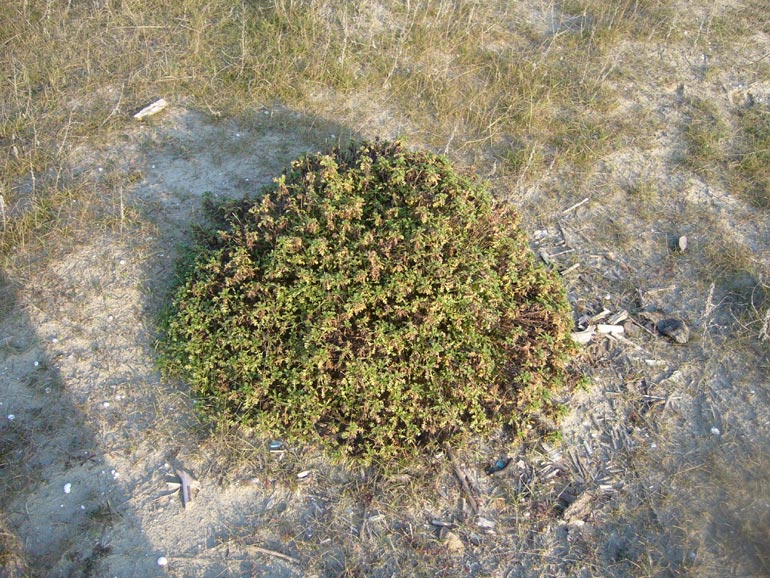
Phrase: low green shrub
{"type": "Point", "coordinates": [373, 300]}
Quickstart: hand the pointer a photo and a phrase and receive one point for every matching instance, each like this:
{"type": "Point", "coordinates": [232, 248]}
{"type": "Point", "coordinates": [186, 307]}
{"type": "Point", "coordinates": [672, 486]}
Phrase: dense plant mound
{"type": "Point", "coordinates": [373, 300]}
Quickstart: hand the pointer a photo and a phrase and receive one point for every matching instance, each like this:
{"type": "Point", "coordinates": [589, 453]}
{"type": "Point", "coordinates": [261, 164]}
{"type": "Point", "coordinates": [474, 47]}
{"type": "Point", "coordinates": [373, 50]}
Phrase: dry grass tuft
{"type": "Point", "coordinates": [13, 563]}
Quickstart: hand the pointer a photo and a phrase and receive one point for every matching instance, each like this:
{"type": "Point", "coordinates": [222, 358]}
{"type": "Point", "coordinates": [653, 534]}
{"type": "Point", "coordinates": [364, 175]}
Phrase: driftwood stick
{"type": "Point", "coordinates": [575, 206]}
{"type": "Point", "coordinates": [272, 553]}
{"type": "Point", "coordinates": [186, 487]}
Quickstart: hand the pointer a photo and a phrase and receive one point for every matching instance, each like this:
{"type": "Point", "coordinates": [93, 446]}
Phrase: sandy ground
{"type": "Point", "coordinates": [663, 469]}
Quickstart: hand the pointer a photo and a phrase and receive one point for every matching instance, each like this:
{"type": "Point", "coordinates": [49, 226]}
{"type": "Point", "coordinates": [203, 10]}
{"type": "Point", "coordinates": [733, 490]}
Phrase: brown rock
{"type": "Point", "coordinates": [454, 544]}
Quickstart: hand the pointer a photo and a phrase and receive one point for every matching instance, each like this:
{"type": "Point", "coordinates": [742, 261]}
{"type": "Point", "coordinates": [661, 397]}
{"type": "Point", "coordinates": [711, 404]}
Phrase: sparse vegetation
{"type": "Point", "coordinates": [751, 159]}
{"type": "Point", "coordinates": [705, 134]}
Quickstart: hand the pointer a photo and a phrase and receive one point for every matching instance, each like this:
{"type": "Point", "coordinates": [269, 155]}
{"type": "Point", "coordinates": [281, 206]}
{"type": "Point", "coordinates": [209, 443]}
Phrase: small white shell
{"type": "Point", "coordinates": [67, 488]}
{"type": "Point", "coordinates": [162, 561]}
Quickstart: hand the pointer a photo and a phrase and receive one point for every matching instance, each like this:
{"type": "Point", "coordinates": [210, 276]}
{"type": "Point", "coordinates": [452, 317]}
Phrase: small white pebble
{"type": "Point", "coordinates": [54, 340]}
{"type": "Point", "coordinates": [162, 561]}
{"type": "Point", "coordinates": [11, 417]}
{"type": "Point", "coordinates": [653, 445]}
{"type": "Point", "coordinates": [715, 431]}
{"type": "Point", "coordinates": [122, 262]}
{"type": "Point", "coordinates": [82, 507]}
{"type": "Point", "coordinates": [67, 488]}
{"type": "Point", "coordinates": [37, 364]}
{"type": "Point", "coordinates": [106, 404]}
{"type": "Point", "coordinates": [101, 169]}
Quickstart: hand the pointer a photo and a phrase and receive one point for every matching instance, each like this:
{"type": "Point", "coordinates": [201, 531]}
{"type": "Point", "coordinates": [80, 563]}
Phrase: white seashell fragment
{"type": "Point", "coordinates": [67, 488]}
{"type": "Point", "coordinates": [162, 561]}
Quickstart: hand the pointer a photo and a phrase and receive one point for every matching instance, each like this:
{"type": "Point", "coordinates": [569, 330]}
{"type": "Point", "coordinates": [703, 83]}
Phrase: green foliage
{"type": "Point", "coordinates": [372, 300]}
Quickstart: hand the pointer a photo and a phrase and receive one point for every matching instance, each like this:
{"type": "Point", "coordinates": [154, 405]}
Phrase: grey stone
{"type": "Point", "coordinates": [674, 328]}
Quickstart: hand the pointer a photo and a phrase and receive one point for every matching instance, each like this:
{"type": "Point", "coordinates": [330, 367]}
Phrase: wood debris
{"type": "Point", "coordinates": [151, 109]}
{"type": "Point", "coordinates": [187, 483]}
{"type": "Point", "coordinates": [462, 476]}
{"type": "Point", "coordinates": [584, 336]}
{"type": "Point", "coordinates": [273, 553]}
{"type": "Point", "coordinates": [575, 206]}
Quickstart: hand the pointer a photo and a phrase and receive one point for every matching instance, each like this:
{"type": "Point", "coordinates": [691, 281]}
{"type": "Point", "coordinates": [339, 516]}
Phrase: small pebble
{"type": "Point", "coordinates": [11, 417]}
{"type": "Point", "coordinates": [67, 488]}
{"type": "Point", "coordinates": [162, 561]}
{"type": "Point", "coordinates": [106, 404]}
{"type": "Point", "coordinates": [715, 431]}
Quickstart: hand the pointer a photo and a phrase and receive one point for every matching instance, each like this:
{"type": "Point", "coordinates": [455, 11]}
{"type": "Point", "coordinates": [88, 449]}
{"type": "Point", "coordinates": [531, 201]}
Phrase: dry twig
{"type": "Point", "coordinates": [463, 481]}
